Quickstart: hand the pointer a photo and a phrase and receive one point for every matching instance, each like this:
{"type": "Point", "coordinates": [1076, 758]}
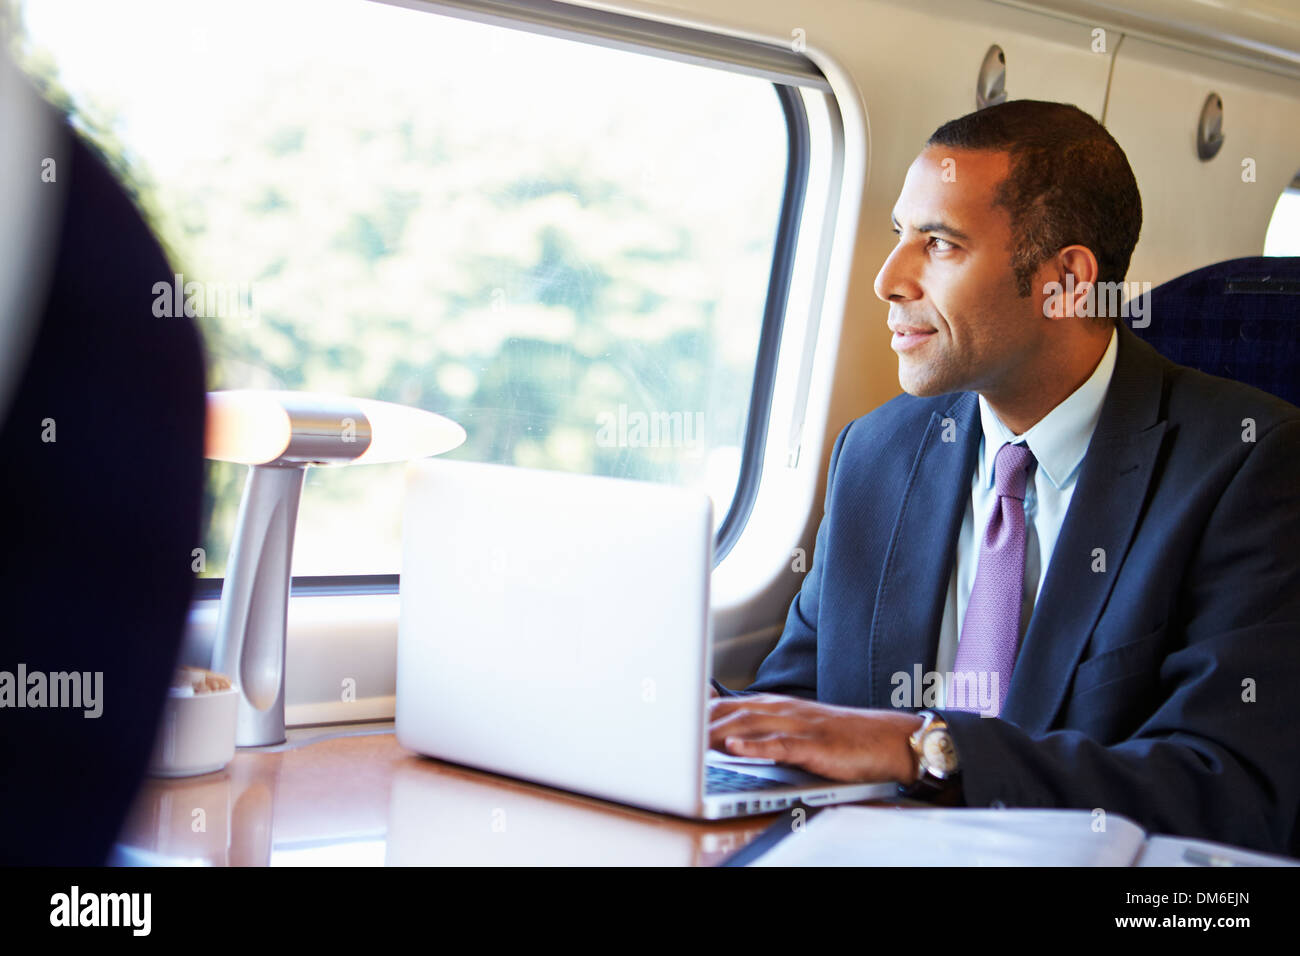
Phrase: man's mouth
{"type": "Point", "coordinates": [909, 336]}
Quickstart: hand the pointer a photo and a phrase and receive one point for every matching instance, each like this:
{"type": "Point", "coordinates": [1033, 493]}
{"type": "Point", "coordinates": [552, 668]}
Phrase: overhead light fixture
{"type": "Point", "coordinates": [278, 435]}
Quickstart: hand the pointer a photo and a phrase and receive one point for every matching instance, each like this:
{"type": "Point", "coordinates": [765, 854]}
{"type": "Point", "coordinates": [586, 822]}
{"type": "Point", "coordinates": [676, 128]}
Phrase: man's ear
{"type": "Point", "coordinates": [1067, 283]}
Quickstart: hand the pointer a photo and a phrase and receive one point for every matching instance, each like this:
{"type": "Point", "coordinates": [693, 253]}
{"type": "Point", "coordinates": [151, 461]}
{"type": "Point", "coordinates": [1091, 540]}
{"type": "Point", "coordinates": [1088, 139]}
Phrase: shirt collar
{"type": "Point", "coordinates": [1060, 438]}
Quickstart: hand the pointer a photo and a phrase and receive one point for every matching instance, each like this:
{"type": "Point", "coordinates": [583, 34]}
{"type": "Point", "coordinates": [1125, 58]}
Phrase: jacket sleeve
{"type": "Point", "coordinates": [791, 667]}
{"type": "Point", "coordinates": [1217, 758]}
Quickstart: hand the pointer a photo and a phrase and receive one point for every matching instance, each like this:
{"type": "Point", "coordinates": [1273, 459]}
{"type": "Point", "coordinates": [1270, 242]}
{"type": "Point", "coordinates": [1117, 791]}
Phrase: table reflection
{"type": "Point", "coordinates": [353, 797]}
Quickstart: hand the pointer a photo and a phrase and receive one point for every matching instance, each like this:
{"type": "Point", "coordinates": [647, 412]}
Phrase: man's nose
{"type": "Point", "coordinates": [896, 281]}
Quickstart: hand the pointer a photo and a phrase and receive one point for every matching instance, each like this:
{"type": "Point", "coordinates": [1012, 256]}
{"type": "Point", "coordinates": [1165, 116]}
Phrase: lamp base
{"type": "Point", "coordinates": [250, 643]}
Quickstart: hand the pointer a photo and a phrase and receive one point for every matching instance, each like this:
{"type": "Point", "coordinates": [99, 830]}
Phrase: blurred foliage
{"type": "Point", "coordinates": [519, 255]}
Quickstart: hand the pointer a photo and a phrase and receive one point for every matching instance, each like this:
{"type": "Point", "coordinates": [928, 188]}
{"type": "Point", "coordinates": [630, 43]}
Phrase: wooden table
{"type": "Point", "coordinates": [350, 795]}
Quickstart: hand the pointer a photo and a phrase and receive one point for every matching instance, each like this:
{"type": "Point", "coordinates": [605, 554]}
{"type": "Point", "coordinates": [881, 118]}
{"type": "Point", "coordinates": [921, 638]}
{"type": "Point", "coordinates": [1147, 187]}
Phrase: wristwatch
{"type": "Point", "coordinates": [938, 771]}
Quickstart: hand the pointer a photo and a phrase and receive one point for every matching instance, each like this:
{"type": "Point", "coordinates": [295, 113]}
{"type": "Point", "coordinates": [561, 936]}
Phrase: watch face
{"type": "Point", "coordinates": [940, 754]}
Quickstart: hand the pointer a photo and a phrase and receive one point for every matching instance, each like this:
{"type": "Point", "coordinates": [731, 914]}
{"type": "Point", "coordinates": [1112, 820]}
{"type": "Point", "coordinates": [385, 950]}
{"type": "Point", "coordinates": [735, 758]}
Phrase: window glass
{"type": "Point", "coordinates": [1283, 236]}
{"type": "Point", "coordinates": [564, 248]}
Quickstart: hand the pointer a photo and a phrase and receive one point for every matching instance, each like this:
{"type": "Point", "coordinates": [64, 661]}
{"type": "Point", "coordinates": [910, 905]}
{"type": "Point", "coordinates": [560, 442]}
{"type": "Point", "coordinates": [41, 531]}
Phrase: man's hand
{"type": "Point", "coordinates": [842, 743]}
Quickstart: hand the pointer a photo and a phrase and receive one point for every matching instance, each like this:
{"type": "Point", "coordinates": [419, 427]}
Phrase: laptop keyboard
{"type": "Point", "coordinates": [722, 780]}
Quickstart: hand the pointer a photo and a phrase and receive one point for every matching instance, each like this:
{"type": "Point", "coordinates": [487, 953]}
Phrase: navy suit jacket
{"type": "Point", "coordinates": [1163, 687]}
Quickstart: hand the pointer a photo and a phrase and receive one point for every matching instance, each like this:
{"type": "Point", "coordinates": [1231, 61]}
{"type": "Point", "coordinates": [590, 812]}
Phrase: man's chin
{"type": "Point", "coordinates": [921, 387]}
{"type": "Point", "coordinates": [928, 379]}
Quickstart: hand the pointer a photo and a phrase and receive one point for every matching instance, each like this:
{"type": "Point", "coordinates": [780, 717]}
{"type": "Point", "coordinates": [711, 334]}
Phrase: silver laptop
{"type": "Point", "coordinates": [556, 628]}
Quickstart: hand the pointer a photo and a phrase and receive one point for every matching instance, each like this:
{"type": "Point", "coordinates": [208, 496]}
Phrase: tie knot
{"type": "Point", "coordinates": [1011, 470]}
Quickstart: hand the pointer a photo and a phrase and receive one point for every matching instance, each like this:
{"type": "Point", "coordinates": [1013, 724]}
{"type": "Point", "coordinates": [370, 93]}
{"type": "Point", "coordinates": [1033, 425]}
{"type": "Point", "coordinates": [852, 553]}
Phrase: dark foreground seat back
{"type": "Point", "coordinates": [101, 453]}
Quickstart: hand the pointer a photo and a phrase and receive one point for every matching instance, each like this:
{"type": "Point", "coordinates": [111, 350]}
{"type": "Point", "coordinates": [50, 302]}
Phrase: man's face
{"type": "Point", "coordinates": [958, 320]}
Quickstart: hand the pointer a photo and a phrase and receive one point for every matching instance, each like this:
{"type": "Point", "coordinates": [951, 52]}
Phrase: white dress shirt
{"type": "Point", "coordinates": [1058, 441]}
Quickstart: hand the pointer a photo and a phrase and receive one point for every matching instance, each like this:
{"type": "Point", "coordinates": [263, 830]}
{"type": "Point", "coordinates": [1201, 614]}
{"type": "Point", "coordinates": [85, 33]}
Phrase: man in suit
{"type": "Point", "coordinates": [1060, 570]}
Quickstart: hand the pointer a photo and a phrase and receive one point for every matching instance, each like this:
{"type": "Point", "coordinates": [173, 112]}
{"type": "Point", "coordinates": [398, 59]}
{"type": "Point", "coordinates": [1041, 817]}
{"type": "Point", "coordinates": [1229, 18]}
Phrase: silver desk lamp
{"type": "Point", "coordinates": [278, 434]}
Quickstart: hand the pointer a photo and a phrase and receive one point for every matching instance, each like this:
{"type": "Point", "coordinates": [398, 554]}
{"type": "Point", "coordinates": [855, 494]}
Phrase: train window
{"type": "Point", "coordinates": [565, 247]}
{"type": "Point", "coordinates": [1283, 236]}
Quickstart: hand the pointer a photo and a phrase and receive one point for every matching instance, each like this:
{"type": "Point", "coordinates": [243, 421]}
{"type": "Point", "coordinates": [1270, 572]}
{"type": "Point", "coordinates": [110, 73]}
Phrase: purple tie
{"type": "Point", "coordinates": [990, 634]}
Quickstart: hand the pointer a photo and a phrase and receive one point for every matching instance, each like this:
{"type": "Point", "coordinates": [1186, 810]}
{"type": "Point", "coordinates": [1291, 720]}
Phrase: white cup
{"type": "Point", "coordinates": [196, 734]}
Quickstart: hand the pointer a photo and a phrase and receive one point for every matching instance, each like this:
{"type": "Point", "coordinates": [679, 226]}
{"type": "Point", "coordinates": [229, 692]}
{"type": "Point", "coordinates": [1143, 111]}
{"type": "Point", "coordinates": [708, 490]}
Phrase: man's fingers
{"type": "Point", "coordinates": [748, 723]}
{"type": "Point", "coordinates": [782, 747]}
{"type": "Point", "coordinates": [725, 705]}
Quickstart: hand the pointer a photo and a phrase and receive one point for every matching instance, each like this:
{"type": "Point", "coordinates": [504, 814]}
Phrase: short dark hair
{"type": "Point", "coordinates": [1069, 183]}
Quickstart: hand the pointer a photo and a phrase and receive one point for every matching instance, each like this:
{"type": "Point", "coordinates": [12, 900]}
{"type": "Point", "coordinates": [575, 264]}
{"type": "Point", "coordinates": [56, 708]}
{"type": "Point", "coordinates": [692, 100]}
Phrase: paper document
{"type": "Point", "coordinates": [898, 836]}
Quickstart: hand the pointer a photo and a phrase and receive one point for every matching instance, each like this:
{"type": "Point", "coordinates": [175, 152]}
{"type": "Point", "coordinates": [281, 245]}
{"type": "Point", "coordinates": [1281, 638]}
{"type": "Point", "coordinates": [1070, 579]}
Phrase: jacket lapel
{"type": "Point", "coordinates": [914, 580]}
{"type": "Point", "coordinates": [1111, 489]}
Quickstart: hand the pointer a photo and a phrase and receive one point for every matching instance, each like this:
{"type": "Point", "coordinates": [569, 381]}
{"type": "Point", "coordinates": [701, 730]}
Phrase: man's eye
{"type": "Point", "coordinates": [947, 245]}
